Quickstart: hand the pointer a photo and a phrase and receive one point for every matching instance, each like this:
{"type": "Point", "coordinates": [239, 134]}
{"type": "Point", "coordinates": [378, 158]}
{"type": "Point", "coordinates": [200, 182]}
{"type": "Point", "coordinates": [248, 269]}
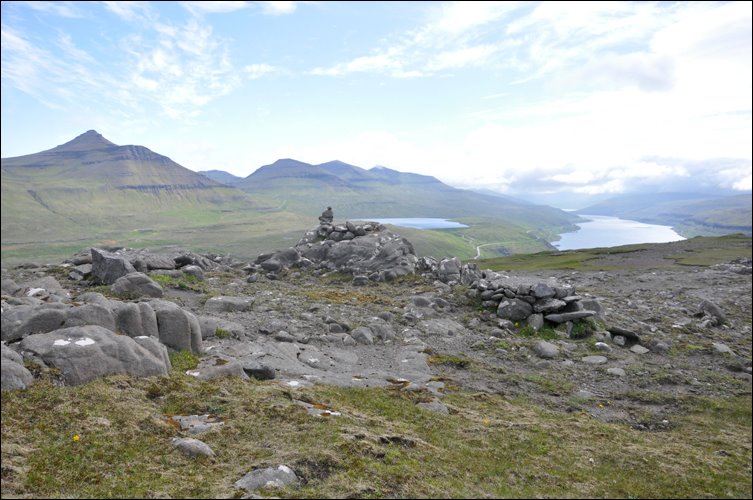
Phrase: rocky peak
{"type": "Point", "coordinates": [91, 139]}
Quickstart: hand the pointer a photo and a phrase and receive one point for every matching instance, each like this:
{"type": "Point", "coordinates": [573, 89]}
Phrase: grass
{"type": "Point", "coordinates": [383, 445]}
{"type": "Point", "coordinates": [184, 282]}
{"type": "Point", "coordinates": [460, 361]}
{"type": "Point", "coordinates": [546, 332]}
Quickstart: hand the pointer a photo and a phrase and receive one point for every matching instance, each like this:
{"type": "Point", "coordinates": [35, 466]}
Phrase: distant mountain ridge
{"type": "Point", "coordinates": [90, 189]}
{"type": "Point", "coordinates": [690, 214]}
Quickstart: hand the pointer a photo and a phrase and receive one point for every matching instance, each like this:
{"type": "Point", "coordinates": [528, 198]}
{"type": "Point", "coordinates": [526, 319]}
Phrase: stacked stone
{"type": "Point", "coordinates": [340, 232]}
{"type": "Point", "coordinates": [534, 303]}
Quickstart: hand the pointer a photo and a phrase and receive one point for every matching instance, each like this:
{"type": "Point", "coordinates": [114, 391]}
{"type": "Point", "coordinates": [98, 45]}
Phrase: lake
{"type": "Point", "coordinates": [421, 223]}
{"type": "Point", "coordinates": [604, 231]}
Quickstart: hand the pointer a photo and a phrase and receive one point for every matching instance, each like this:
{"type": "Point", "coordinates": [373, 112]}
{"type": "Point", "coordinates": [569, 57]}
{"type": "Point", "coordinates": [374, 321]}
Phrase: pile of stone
{"type": "Point", "coordinates": [534, 303]}
{"type": "Point", "coordinates": [368, 251]}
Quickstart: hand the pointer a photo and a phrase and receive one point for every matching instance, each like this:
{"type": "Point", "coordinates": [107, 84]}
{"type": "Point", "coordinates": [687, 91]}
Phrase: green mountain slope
{"type": "Point", "coordinates": [501, 224]}
{"type": "Point", "coordinates": [690, 214]}
{"type": "Point", "coordinates": [90, 191]}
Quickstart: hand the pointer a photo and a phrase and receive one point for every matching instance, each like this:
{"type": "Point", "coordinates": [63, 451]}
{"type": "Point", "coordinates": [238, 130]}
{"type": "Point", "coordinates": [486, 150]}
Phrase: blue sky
{"type": "Point", "coordinates": [520, 97]}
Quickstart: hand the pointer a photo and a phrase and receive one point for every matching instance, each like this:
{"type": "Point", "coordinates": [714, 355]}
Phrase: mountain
{"type": "Point", "coordinates": [221, 176]}
{"type": "Point", "coordinates": [499, 224]}
{"type": "Point", "coordinates": [690, 214]}
{"type": "Point", "coordinates": [90, 190]}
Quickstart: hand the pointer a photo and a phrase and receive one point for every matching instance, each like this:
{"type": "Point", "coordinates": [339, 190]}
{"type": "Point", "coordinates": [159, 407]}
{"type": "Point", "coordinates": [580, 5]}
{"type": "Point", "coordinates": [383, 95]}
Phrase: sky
{"type": "Point", "coordinates": [538, 98]}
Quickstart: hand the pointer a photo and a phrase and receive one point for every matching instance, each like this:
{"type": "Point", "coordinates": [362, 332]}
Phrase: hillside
{"type": "Point", "coordinates": [690, 214]}
{"type": "Point", "coordinates": [442, 399]}
{"type": "Point", "coordinates": [221, 176]}
{"type": "Point", "coordinates": [90, 191]}
{"type": "Point", "coordinates": [500, 224]}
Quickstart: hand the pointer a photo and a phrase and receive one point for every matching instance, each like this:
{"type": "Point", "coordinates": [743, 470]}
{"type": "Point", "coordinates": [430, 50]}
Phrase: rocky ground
{"type": "Point", "coordinates": [675, 331]}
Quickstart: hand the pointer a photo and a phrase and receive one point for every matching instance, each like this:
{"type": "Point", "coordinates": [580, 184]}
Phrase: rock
{"type": "Point", "coordinates": [619, 340]}
{"type": "Point", "coordinates": [617, 372]}
{"type": "Point", "coordinates": [197, 424]}
{"type": "Point", "coordinates": [382, 330]}
{"type": "Point", "coordinates": [362, 335]}
{"type": "Point", "coordinates": [229, 304]}
{"type": "Point", "coordinates": [135, 319]}
{"type": "Point", "coordinates": [195, 259]}
{"type": "Point", "coordinates": [601, 346]}
{"type": "Point", "coordinates": [192, 447]}
{"type": "Point", "coordinates": [21, 321]}
{"type": "Point", "coordinates": [546, 350]}
{"type": "Point", "coordinates": [627, 334]}
{"type": "Point", "coordinates": [569, 316]}
{"type": "Point", "coordinates": [195, 271]}
{"type": "Point", "coordinates": [639, 349]}
{"type": "Point", "coordinates": [535, 321]}
{"type": "Point", "coordinates": [448, 270]}
{"type": "Point", "coordinates": [548, 305]}
{"type": "Point", "coordinates": [90, 314]}
{"type": "Point", "coordinates": [81, 272]}
{"type": "Point", "coordinates": [436, 406]}
{"type": "Point", "coordinates": [594, 360]}
{"type": "Point", "coordinates": [257, 370]}
{"type": "Point", "coordinates": [271, 477]}
{"type": "Point", "coordinates": [210, 325]}
{"type": "Point", "coordinates": [108, 267]}
{"type": "Point", "coordinates": [442, 327]}
{"type": "Point", "coordinates": [514, 310]}
{"type": "Point", "coordinates": [178, 329]}
{"type": "Point", "coordinates": [722, 348]}
{"type": "Point", "coordinates": [713, 310]}
{"type": "Point", "coordinates": [138, 284]}
{"type": "Point", "coordinates": [84, 353]}
{"type": "Point", "coordinates": [9, 287]}
{"type": "Point", "coordinates": [360, 280]}
{"type": "Point", "coordinates": [14, 375]}
{"type": "Point", "coordinates": [543, 291]}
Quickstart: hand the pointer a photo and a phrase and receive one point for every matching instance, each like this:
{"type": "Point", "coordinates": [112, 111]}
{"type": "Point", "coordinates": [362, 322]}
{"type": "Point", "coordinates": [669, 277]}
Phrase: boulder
{"type": "Point", "coordinates": [271, 477]}
{"type": "Point", "coordinates": [14, 374]}
{"type": "Point", "coordinates": [108, 267]}
{"type": "Point", "coordinates": [138, 284]}
{"type": "Point", "coordinates": [514, 309]}
{"type": "Point", "coordinates": [178, 329]}
{"type": "Point", "coordinates": [21, 321]}
{"type": "Point", "coordinates": [84, 353]}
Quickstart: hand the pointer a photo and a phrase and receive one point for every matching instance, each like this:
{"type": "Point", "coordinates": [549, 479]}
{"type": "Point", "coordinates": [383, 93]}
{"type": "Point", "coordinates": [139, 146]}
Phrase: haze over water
{"type": "Point", "coordinates": [604, 231]}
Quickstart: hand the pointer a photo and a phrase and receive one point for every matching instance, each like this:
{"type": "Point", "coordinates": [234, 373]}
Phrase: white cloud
{"type": "Point", "coordinates": [256, 71]}
{"type": "Point", "coordinates": [216, 6]}
{"type": "Point", "coordinates": [63, 9]}
{"type": "Point", "coordinates": [279, 8]}
{"type": "Point", "coordinates": [129, 10]}
{"type": "Point", "coordinates": [447, 41]}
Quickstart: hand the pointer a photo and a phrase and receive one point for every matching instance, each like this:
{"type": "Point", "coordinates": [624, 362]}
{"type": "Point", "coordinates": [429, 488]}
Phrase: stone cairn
{"type": "Point", "coordinates": [370, 252]}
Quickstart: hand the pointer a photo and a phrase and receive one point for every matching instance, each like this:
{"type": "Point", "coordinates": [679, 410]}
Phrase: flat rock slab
{"type": "Point", "coordinates": [594, 360]}
{"type": "Point", "coordinates": [271, 477]}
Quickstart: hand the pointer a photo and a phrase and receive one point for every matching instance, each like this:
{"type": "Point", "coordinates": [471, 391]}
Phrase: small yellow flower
{"type": "Point", "coordinates": [76, 438]}
{"type": "Point", "coordinates": [486, 421]}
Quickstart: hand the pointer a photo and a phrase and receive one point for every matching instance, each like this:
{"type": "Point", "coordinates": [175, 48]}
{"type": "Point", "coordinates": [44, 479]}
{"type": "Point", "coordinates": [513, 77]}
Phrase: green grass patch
{"type": "Point", "coordinates": [221, 333]}
{"type": "Point", "coordinates": [184, 282]}
{"type": "Point", "coordinates": [546, 332]}
{"type": "Point", "coordinates": [460, 361]}
{"type": "Point", "coordinates": [383, 445]}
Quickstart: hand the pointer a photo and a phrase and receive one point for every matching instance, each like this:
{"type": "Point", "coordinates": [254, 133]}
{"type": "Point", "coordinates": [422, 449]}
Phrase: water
{"type": "Point", "coordinates": [603, 231]}
{"type": "Point", "coordinates": [421, 223]}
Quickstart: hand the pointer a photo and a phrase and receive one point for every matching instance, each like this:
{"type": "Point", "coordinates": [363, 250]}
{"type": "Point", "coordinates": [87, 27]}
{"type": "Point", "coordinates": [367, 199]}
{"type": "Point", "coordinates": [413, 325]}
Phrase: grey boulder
{"type": "Point", "coordinates": [85, 353]}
